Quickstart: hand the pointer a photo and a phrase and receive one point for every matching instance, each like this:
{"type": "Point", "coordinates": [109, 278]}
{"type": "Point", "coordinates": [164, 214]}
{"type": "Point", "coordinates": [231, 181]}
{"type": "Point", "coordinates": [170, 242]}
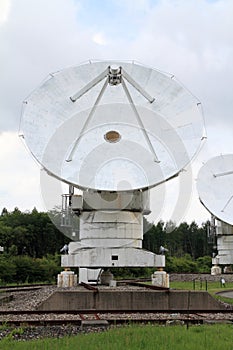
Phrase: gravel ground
{"type": "Point", "coordinates": [34, 333]}
{"type": "Point", "coordinates": [29, 300]}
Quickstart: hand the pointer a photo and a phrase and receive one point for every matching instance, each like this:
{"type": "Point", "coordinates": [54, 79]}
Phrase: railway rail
{"type": "Point", "coordinates": [22, 288]}
{"type": "Point", "coordinates": [95, 317]}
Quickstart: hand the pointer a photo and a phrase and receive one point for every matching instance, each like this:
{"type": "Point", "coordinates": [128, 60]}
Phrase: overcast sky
{"type": "Point", "coordinates": [192, 39]}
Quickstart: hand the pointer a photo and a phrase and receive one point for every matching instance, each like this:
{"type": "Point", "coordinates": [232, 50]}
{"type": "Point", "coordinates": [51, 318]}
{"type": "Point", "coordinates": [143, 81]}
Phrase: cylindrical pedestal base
{"type": "Point", "coordinates": [106, 277]}
{"type": "Point", "coordinates": [160, 278]}
{"type": "Point", "coordinates": [66, 279]}
{"type": "Point", "coordinates": [216, 270]}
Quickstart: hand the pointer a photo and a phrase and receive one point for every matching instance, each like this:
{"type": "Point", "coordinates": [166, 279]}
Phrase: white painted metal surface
{"type": "Point", "coordinates": [224, 233]}
{"type": "Point", "coordinates": [223, 229]}
{"type": "Point", "coordinates": [215, 187]}
{"type": "Point", "coordinates": [135, 201]}
{"type": "Point", "coordinates": [89, 275]}
{"type": "Point", "coordinates": [66, 121]}
{"type": "Point", "coordinates": [113, 257]}
{"type": "Point", "coordinates": [109, 229]}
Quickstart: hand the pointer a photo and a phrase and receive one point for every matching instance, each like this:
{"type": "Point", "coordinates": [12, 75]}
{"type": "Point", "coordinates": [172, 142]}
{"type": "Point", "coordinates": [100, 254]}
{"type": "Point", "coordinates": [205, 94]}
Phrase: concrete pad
{"type": "Point", "coordinates": [138, 300]}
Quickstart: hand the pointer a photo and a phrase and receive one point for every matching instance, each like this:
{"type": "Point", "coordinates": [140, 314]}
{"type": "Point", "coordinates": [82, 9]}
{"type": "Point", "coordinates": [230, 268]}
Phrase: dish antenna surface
{"type": "Point", "coordinates": [215, 187]}
{"type": "Point", "coordinates": [112, 126]}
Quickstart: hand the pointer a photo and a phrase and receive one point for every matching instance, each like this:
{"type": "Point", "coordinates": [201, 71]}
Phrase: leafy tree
{"type": "Point", "coordinates": [4, 212]}
{"type": "Point", "coordinates": [204, 263]}
{"type": "Point", "coordinates": [32, 233]}
{"type": "Point", "coordinates": [7, 269]}
{"type": "Point", "coordinates": [154, 238]}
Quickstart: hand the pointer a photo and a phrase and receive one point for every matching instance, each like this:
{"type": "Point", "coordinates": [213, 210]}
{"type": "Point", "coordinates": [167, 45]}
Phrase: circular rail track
{"type": "Point", "coordinates": [96, 317]}
{"type": "Point", "coordinates": [18, 312]}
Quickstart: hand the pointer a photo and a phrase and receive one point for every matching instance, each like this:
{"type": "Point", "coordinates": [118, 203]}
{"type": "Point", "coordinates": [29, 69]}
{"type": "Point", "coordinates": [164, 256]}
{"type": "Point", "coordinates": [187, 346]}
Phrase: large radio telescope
{"type": "Point", "coordinates": [114, 130]}
{"type": "Point", "coordinates": [215, 188]}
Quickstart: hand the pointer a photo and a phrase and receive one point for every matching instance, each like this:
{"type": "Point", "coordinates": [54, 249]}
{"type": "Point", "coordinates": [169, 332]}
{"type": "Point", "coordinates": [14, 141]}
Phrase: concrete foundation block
{"type": "Point", "coordinates": [133, 300]}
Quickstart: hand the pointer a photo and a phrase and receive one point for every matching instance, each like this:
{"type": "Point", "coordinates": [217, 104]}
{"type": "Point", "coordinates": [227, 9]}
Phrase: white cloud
{"type": "Point", "coordinates": [191, 39]}
{"type": "Point", "coordinates": [19, 175]}
{"type": "Point", "coordinates": [99, 38]}
{"type": "Point", "coordinates": [4, 10]}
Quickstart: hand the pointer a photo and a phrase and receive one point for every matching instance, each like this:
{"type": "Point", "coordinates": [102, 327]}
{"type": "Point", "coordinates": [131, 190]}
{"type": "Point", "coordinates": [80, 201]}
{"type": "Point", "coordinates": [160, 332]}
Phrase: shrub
{"type": "Point", "coordinates": [7, 270]}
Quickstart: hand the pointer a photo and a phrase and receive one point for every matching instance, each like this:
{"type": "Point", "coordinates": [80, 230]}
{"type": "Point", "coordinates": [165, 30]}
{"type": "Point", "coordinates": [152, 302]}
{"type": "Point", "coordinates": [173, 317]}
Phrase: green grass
{"type": "Point", "coordinates": [200, 286]}
{"type": "Point", "coordinates": [212, 288]}
{"type": "Point", "coordinates": [149, 337]}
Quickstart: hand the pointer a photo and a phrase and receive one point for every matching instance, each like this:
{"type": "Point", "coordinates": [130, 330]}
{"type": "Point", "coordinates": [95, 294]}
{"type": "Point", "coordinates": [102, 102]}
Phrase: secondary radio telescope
{"type": "Point", "coordinates": [113, 130]}
{"type": "Point", "coordinates": [215, 188]}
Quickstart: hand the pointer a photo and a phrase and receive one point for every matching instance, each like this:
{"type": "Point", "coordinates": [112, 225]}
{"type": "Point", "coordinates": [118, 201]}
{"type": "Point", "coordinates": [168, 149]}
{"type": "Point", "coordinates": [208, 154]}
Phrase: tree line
{"type": "Point", "coordinates": [32, 246]}
{"type": "Point", "coordinates": [29, 233]}
{"type": "Point", "coordinates": [179, 240]}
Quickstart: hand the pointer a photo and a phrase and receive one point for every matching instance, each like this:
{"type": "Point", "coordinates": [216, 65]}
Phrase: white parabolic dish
{"type": "Point", "coordinates": [112, 137]}
{"type": "Point", "coordinates": [215, 187]}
